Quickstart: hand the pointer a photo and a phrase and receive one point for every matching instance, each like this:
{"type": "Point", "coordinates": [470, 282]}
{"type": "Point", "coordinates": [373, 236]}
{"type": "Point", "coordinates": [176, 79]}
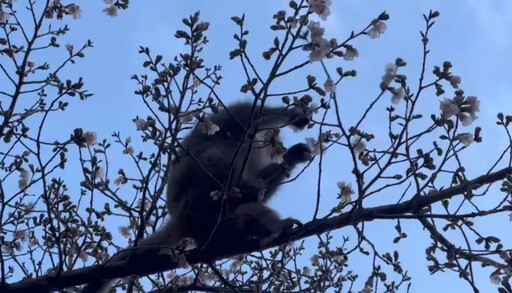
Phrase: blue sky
{"type": "Point", "coordinates": [474, 35]}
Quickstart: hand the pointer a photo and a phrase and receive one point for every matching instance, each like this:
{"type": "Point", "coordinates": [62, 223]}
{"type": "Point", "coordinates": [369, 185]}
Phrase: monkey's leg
{"type": "Point", "coordinates": [260, 221]}
{"type": "Point", "coordinates": [250, 225]}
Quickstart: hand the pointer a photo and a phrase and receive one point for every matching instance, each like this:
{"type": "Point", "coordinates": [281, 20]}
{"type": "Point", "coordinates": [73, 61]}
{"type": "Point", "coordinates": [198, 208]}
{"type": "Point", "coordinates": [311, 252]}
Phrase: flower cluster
{"type": "Point", "coordinates": [141, 124]}
{"type": "Point", "coordinates": [391, 71]}
{"type": "Point", "coordinates": [319, 47]}
{"type": "Point", "coordinates": [350, 53]}
{"type": "Point", "coordinates": [464, 108]}
{"type": "Point", "coordinates": [24, 180]}
{"type": "Point", "coordinates": [112, 9]}
{"type": "Point", "coordinates": [330, 85]}
{"type": "Point", "coordinates": [128, 150]}
{"type": "Point", "coordinates": [75, 11]}
{"type": "Point", "coordinates": [4, 17]}
{"type": "Point", "coordinates": [377, 28]}
{"type": "Point", "coordinates": [358, 144]}
{"type": "Point", "coordinates": [465, 138]}
{"type": "Point", "coordinates": [320, 7]}
{"type": "Point", "coordinates": [398, 95]}
{"type": "Point", "coordinates": [345, 192]}
{"type": "Point", "coordinates": [90, 138]}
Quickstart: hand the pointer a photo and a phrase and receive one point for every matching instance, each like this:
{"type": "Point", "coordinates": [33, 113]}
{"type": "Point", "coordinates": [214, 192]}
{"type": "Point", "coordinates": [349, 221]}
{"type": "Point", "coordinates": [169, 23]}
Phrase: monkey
{"type": "Point", "coordinates": [258, 182]}
{"type": "Point", "coordinates": [242, 151]}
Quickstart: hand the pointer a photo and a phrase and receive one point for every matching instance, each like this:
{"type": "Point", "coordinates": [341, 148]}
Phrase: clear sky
{"type": "Point", "coordinates": [474, 35]}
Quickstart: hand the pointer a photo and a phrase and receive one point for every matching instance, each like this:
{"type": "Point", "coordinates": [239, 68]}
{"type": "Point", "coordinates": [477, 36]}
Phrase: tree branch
{"type": "Point", "coordinates": [149, 264]}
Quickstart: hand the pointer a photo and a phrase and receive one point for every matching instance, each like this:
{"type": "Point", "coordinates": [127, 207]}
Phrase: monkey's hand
{"type": "Point", "coordinates": [297, 154]}
{"type": "Point", "coordinates": [280, 228]}
{"type": "Point", "coordinates": [290, 224]}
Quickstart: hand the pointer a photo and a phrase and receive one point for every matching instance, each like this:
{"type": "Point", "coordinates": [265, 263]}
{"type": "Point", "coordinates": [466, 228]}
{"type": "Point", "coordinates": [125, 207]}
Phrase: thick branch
{"type": "Point", "coordinates": [149, 264]}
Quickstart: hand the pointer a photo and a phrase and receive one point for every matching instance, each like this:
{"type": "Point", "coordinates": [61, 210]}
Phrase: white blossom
{"type": "Point", "coordinates": [108, 1]}
{"type": "Point", "coordinates": [98, 173]}
{"type": "Point", "coordinates": [315, 260]}
{"type": "Point", "coordinates": [196, 83]}
{"type": "Point", "coordinates": [186, 117]}
{"type": "Point", "coordinates": [473, 106]}
{"type": "Point", "coordinates": [292, 21]}
{"type": "Point", "coordinates": [454, 81]}
{"type": "Point", "coordinates": [398, 95]}
{"type": "Point", "coordinates": [465, 111]}
{"type": "Point", "coordinates": [329, 85]}
{"type": "Point", "coordinates": [20, 235]}
{"type": "Point", "coordinates": [33, 242]}
{"type": "Point", "coordinates": [128, 150]}
{"type": "Point", "coordinates": [119, 180]}
{"type": "Point", "coordinates": [316, 32]}
{"type": "Point", "coordinates": [449, 108]}
{"type": "Point", "coordinates": [345, 191]}
{"type": "Point", "coordinates": [390, 74]}
{"type": "Point", "coordinates": [465, 138]}
{"type": "Point", "coordinates": [358, 144]}
{"type": "Point", "coordinates": [367, 289]}
{"type": "Point", "coordinates": [208, 127]}
{"type": "Point", "coordinates": [319, 46]}
{"type": "Point", "coordinates": [141, 124]}
{"type": "Point", "coordinates": [29, 207]}
{"type": "Point", "coordinates": [4, 17]}
{"type": "Point", "coordinates": [24, 180]}
{"type": "Point", "coordinates": [125, 231]}
{"type": "Point", "coordinates": [314, 146]}
{"type": "Point", "coordinates": [378, 28]}
{"type": "Point", "coordinates": [320, 7]}
{"type": "Point", "coordinates": [313, 108]}
{"type": "Point", "coordinates": [90, 138]}
{"type": "Point", "coordinates": [320, 50]}
{"type": "Point", "coordinates": [111, 10]}
{"type": "Point", "coordinates": [351, 53]}
{"type": "Point", "coordinates": [495, 279]}
{"type": "Point", "coordinates": [83, 256]}
{"type": "Point", "coordinates": [235, 265]}
{"type": "Point", "coordinates": [100, 255]}
{"type": "Point", "coordinates": [6, 248]}
{"type": "Point", "coordinates": [465, 118]}
{"type": "Point", "coordinates": [75, 11]}
{"type": "Point", "coordinates": [306, 271]}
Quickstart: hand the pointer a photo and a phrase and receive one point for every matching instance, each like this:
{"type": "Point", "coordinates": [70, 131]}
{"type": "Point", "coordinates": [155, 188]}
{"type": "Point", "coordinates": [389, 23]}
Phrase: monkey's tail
{"type": "Point", "coordinates": [165, 236]}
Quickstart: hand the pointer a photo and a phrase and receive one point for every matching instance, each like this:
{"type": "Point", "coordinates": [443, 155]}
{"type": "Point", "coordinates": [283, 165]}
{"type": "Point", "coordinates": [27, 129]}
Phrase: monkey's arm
{"type": "Point", "coordinates": [269, 178]}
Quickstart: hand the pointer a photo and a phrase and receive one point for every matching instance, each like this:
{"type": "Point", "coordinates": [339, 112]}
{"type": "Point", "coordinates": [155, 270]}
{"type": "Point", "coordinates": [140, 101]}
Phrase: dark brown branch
{"type": "Point", "coordinates": [457, 251]}
{"type": "Point", "coordinates": [150, 264]}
